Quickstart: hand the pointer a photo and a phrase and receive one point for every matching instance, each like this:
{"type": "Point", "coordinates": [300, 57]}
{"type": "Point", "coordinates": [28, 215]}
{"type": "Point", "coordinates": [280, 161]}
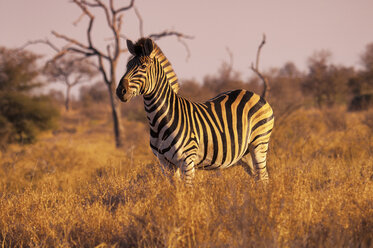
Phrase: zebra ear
{"type": "Point", "coordinates": [148, 47]}
{"type": "Point", "coordinates": [131, 47]}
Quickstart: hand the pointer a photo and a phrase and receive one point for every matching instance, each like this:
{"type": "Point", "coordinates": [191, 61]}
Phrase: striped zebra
{"type": "Point", "coordinates": [235, 126]}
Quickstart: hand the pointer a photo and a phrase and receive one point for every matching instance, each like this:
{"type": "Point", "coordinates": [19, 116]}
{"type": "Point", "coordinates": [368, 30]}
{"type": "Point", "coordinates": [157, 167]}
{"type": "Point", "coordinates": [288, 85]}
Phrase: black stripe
{"type": "Point", "coordinates": [263, 143]}
{"type": "Point", "coordinates": [256, 107]}
{"type": "Point", "coordinates": [208, 125]}
{"type": "Point", "coordinates": [156, 104]}
{"type": "Point", "coordinates": [228, 106]}
{"type": "Point", "coordinates": [175, 121]}
{"type": "Point", "coordinates": [168, 117]}
{"type": "Point", "coordinates": [241, 106]}
{"type": "Point", "coordinates": [205, 135]}
{"type": "Point", "coordinates": [153, 147]}
{"type": "Point", "coordinates": [185, 125]}
{"type": "Point", "coordinates": [262, 122]}
{"type": "Point", "coordinates": [167, 64]}
{"type": "Point", "coordinates": [153, 134]}
{"type": "Point", "coordinates": [260, 135]}
{"type": "Point", "coordinates": [218, 110]}
{"type": "Point", "coordinates": [180, 108]}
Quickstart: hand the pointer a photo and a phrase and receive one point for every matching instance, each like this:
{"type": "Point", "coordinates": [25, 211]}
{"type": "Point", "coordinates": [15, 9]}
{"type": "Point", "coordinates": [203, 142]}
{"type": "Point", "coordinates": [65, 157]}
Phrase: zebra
{"type": "Point", "coordinates": [233, 127]}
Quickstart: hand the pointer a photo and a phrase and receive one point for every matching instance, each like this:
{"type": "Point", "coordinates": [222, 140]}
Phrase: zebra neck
{"type": "Point", "coordinates": [160, 105]}
{"type": "Point", "coordinates": [167, 68]}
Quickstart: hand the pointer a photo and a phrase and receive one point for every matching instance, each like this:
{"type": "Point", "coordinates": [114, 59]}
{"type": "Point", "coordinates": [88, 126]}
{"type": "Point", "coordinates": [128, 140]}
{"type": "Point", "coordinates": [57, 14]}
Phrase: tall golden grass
{"type": "Point", "coordinates": [74, 189]}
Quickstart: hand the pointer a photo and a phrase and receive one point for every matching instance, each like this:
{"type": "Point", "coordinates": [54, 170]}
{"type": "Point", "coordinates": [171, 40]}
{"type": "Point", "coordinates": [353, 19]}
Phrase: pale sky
{"type": "Point", "coordinates": [295, 29]}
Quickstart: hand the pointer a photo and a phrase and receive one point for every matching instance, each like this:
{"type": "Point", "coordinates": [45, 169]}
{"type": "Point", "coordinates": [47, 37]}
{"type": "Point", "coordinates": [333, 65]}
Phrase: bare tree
{"type": "Point", "coordinates": [255, 68]}
{"type": "Point", "coordinates": [70, 71]}
{"type": "Point", "coordinates": [108, 58]}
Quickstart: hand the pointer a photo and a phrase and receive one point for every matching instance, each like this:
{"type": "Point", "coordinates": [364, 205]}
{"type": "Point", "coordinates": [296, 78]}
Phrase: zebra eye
{"type": "Point", "coordinates": [143, 66]}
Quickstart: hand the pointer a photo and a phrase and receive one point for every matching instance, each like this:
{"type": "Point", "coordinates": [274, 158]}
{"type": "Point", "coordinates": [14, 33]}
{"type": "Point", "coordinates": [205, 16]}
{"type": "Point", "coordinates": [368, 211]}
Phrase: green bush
{"type": "Point", "coordinates": [23, 117]}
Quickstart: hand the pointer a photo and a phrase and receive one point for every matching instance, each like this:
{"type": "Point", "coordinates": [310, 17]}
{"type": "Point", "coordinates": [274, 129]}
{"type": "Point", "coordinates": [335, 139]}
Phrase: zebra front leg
{"type": "Point", "coordinates": [247, 164]}
{"type": "Point", "coordinates": [188, 171]}
{"type": "Point", "coordinates": [170, 171]}
{"type": "Point", "coordinates": [259, 159]}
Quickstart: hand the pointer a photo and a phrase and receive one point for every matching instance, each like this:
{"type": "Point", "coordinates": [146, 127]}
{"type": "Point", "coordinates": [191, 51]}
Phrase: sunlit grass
{"type": "Point", "coordinates": [74, 189]}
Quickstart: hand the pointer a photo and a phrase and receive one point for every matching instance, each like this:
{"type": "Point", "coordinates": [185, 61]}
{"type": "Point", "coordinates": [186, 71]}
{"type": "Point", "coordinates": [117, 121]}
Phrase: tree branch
{"type": "Point", "coordinates": [157, 36]}
{"type": "Point", "coordinates": [89, 4]}
{"type": "Point", "coordinates": [101, 67]}
{"type": "Point", "coordinates": [45, 42]}
{"type": "Point", "coordinates": [125, 8]}
{"type": "Point", "coordinates": [258, 52]}
{"type": "Point", "coordinates": [87, 50]}
{"type": "Point", "coordinates": [70, 40]}
{"type": "Point", "coordinates": [141, 25]}
{"type": "Point", "coordinates": [230, 54]}
{"type": "Point", "coordinates": [179, 36]}
{"type": "Point", "coordinates": [91, 19]}
{"type": "Point", "coordinates": [109, 21]}
{"type": "Point", "coordinates": [76, 22]}
{"type": "Point", "coordinates": [255, 69]}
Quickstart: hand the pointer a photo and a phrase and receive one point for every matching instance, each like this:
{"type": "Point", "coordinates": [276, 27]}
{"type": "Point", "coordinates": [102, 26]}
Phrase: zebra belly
{"type": "Point", "coordinates": [208, 164]}
{"type": "Point", "coordinates": [172, 159]}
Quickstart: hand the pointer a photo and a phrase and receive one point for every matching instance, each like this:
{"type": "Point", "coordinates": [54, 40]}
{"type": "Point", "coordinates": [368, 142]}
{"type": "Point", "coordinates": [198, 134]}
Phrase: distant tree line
{"type": "Point", "coordinates": [23, 114]}
{"type": "Point", "coordinates": [322, 85]}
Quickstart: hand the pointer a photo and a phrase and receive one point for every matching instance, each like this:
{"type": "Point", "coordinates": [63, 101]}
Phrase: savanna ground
{"type": "Point", "coordinates": [74, 189]}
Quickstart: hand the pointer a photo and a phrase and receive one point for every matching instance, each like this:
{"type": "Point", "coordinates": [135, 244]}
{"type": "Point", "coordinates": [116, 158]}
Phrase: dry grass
{"type": "Point", "coordinates": [73, 189]}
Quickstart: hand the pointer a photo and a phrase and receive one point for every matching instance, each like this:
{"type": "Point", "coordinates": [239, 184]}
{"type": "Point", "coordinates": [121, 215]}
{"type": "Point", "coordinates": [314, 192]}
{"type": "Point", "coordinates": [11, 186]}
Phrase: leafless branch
{"type": "Point", "coordinates": [83, 6]}
{"type": "Point", "coordinates": [77, 80]}
{"type": "Point", "coordinates": [44, 42]}
{"type": "Point", "coordinates": [157, 36]}
{"type": "Point", "coordinates": [185, 46]}
{"type": "Point", "coordinates": [70, 40]}
{"type": "Point", "coordinates": [109, 51]}
{"type": "Point", "coordinates": [255, 69]}
{"type": "Point", "coordinates": [179, 36]}
{"type": "Point", "coordinates": [102, 69]}
{"type": "Point", "coordinates": [84, 49]}
{"type": "Point", "coordinates": [258, 52]}
{"type": "Point", "coordinates": [112, 7]}
{"type": "Point", "coordinates": [60, 52]}
{"type": "Point", "coordinates": [125, 8]}
{"type": "Point", "coordinates": [230, 54]}
{"type": "Point", "coordinates": [76, 22]}
{"type": "Point", "coordinates": [141, 26]}
{"type": "Point", "coordinates": [89, 4]}
{"type": "Point", "coordinates": [109, 20]}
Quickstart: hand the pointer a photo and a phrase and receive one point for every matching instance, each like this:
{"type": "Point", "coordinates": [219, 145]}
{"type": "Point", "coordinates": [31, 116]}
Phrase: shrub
{"type": "Point", "coordinates": [23, 117]}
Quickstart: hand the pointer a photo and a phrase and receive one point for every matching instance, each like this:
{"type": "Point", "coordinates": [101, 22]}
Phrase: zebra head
{"type": "Point", "coordinates": [136, 79]}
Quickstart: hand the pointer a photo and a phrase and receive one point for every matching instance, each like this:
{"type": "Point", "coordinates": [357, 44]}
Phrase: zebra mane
{"type": "Point", "coordinates": [146, 47]}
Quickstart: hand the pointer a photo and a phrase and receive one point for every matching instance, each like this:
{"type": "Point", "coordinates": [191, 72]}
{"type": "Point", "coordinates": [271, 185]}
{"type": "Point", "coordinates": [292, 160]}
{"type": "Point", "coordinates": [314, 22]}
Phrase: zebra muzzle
{"type": "Point", "coordinates": [122, 93]}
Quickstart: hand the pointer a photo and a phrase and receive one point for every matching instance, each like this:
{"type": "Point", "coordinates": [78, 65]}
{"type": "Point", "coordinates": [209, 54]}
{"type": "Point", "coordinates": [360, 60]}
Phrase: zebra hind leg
{"type": "Point", "coordinates": [259, 160]}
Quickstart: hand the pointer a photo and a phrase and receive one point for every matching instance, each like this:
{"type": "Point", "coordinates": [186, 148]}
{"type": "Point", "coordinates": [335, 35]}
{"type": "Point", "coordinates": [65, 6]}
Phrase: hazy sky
{"type": "Point", "coordinates": [294, 29]}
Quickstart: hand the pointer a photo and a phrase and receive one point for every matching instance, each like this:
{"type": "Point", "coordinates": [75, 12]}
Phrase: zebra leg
{"type": "Point", "coordinates": [247, 164]}
{"type": "Point", "coordinates": [188, 171]}
{"type": "Point", "coordinates": [170, 171]}
{"type": "Point", "coordinates": [259, 160]}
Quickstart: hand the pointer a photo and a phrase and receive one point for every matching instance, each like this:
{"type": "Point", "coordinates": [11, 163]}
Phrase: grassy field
{"type": "Point", "coordinates": [74, 189]}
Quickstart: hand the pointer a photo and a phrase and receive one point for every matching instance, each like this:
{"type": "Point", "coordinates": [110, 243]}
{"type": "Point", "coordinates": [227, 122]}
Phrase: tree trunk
{"type": "Point", "coordinates": [115, 109]}
{"type": "Point", "coordinates": [67, 98]}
